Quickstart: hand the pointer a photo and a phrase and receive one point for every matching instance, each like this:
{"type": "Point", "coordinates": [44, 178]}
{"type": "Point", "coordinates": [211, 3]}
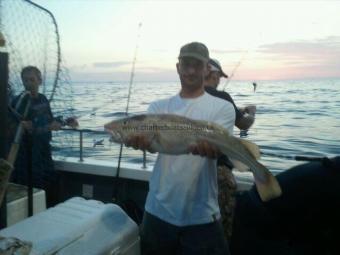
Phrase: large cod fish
{"type": "Point", "coordinates": [173, 134]}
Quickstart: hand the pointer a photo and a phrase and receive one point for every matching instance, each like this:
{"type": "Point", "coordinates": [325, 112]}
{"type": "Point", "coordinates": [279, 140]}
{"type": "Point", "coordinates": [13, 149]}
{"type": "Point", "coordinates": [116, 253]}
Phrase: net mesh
{"type": "Point", "coordinates": [32, 39]}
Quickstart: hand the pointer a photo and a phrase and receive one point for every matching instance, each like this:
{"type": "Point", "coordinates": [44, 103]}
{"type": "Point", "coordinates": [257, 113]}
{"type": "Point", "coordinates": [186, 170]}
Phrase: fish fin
{"type": "Point", "coordinates": [251, 147]}
{"type": "Point", "coordinates": [239, 165]}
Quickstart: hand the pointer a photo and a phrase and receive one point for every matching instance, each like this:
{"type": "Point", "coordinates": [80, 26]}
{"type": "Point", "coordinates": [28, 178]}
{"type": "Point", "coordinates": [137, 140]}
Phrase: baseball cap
{"type": "Point", "coordinates": [216, 66]}
{"type": "Point", "coordinates": [195, 50]}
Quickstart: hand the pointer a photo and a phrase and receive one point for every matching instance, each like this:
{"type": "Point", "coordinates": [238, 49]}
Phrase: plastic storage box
{"type": "Point", "coordinates": [79, 226]}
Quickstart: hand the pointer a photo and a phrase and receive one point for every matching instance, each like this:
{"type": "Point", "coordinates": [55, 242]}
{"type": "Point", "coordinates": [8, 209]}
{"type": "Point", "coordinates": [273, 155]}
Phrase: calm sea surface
{"type": "Point", "coordinates": [300, 117]}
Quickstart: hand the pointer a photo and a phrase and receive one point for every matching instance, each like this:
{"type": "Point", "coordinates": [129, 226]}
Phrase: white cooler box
{"type": "Point", "coordinates": [79, 226]}
{"type": "Point", "coordinates": [17, 202]}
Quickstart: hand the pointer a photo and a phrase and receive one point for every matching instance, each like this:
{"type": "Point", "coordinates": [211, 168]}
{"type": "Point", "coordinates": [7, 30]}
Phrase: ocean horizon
{"type": "Point", "coordinates": [294, 117]}
{"type": "Point", "coordinates": [231, 82]}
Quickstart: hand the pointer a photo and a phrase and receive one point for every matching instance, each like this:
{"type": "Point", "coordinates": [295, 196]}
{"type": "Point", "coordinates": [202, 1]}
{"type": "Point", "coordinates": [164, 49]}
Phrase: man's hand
{"type": "Point", "coordinates": [139, 142]}
{"type": "Point", "coordinates": [250, 109]}
{"type": "Point", "coordinates": [27, 124]}
{"type": "Point", "coordinates": [205, 149]}
{"type": "Point", "coordinates": [72, 122]}
{"type": "Point", "coordinates": [55, 125]}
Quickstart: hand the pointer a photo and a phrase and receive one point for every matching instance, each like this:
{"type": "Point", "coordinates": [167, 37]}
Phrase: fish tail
{"type": "Point", "coordinates": [266, 184]}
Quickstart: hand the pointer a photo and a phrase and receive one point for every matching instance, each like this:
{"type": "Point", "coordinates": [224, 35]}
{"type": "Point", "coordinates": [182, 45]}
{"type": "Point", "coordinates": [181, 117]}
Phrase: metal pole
{"type": "Point", "coordinates": [81, 146]}
{"type": "Point", "coordinates": [144, 159]}
{"type": "Point", "coordinates": [29, 174]}
{"type": "Point", "coordinates": [3, 123]}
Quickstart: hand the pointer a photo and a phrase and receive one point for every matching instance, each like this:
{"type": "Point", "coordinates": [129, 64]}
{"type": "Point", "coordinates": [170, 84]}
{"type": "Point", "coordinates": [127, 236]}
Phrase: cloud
{"type": "Point", "coordinates": [301, 59]}
{"type": "Point", "coordinates": [153, 69]}
{"type": "Point", "coordinates": [77, 67]}
{"type": "Point", "coordinates": [141, 75]}
{"type": "Point", "coordinates": [160, 50]}
{"type": "Point", "coordinates": [216, 51]}
{"type": "Point", "coordinates": [110, 64]}
{"type": "Point", "coordinates": [282, 60]}
{"type": "Point", "coordinates": [314, 50]}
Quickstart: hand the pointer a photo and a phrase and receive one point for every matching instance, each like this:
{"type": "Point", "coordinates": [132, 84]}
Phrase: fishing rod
{"type": "Point", "coordinates": [2, 36]}
{"type": "Point", "coordinates": [235, 69]}
{"type": "Point", "coordinates": [6, 166]}
{"type": "Point", "coordinates": [324, 160]}
{"type": "Point", "coordinates": [258, 38]}
{"type": "Point", "coordinates": [132, 75]}
{"type": "Point", "coordinates": [133, 70]}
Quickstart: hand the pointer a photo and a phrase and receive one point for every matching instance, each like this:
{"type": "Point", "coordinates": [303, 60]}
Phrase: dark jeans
{"type": "Point", "coordinates": [43, 174]}
{"type": "Point", "coordinates": [159, 237]}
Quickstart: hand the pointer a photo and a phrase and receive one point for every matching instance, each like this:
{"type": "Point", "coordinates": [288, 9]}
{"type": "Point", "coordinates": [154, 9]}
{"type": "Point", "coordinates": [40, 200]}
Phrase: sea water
{"type": "Point", "coordinates": [294, 117]}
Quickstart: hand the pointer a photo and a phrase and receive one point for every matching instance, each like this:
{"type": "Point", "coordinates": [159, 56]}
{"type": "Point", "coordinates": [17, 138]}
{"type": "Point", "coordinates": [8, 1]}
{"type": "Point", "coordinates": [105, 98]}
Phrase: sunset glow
{"type": "Point", "coordinates": [266, 39]}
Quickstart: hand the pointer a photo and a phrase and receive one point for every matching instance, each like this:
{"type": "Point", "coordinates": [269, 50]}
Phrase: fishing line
{"type": "Point", "coordinates": [132, 75]}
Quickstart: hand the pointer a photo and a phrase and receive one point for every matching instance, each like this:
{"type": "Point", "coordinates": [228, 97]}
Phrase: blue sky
{"type": "Point", "coordinates": [271, 39]}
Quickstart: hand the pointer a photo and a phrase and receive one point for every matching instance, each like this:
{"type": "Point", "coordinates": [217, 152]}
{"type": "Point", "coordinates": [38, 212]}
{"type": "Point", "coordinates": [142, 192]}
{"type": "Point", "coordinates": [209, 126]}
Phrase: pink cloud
{"type": "Point", "coordinates": [284, 60]}
{"type": "Point", "coordinates": [296, 60]}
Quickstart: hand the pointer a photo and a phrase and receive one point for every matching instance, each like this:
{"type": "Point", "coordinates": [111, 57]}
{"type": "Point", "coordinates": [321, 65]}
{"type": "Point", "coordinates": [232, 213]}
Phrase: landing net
{"type": "Point", "coordinates": [32, 39]}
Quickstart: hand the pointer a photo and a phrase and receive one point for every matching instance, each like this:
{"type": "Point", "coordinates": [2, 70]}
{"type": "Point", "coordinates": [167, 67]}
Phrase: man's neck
{"type": "Point", "coordinates": [210, 85]}
{"type": "Point", "coordinates": [34, 94]}
{"type": "Point", "coordinates": [189, 93]}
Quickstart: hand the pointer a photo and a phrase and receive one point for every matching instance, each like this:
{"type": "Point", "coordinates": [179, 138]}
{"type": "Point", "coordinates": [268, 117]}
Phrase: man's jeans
{"type": "Point", "coordinates": [161, 238]}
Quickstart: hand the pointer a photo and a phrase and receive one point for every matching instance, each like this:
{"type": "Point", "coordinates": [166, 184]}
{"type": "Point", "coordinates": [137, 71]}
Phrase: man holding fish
{"type": "Point", "coordinates": [182, 215]}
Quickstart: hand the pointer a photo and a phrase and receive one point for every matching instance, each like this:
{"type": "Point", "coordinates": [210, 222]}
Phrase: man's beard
{"type": "Point", "coordinates": [195, 83]}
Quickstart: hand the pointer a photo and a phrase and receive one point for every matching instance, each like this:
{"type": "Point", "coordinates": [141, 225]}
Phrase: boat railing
{"type": "Point", "coordinates": [244, 179]}
{"type": "Point", "coordinates": [81, 133]}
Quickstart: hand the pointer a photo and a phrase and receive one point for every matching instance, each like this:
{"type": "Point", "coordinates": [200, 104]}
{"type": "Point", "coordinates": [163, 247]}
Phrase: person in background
{"type": "Point", "coordinates": [182, 215]}
{"type": "Point", "coordinates": [255, 86]}
{"type": "Point", "coordinates": [244, 119]}
{"type": "Point", "coordinates": [245, 116]}
{"type": "Point", "coordinates": [35, 148]}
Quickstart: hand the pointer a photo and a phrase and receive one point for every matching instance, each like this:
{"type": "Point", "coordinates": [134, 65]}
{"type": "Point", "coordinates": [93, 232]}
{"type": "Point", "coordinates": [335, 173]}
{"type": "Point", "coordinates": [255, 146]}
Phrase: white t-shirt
{"type": "Point", "coordinates": [183, 189]}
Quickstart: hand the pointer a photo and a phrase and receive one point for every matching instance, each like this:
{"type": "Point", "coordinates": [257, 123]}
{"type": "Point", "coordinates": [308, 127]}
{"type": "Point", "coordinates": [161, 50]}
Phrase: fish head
{"type": "Point", "coordinates": [121, 129]}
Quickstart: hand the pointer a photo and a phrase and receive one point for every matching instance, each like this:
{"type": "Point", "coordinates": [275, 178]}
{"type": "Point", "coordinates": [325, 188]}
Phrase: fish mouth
{"type": "Point", "coordinates": [116, 137]}
{"type": "Point", "coordinates": [115, 134]}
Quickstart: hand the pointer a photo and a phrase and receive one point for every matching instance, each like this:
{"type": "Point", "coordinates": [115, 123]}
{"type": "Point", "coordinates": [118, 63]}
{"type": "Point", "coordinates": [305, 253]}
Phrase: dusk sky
{"type": "Point", "coordinates": [264, 39]}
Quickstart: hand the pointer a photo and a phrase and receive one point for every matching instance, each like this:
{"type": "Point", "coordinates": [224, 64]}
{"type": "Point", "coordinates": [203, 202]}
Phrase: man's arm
{"type": "Point", "coordinates": [248, 117]}
{"type": "Point", "coordinates": [245, 116]}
